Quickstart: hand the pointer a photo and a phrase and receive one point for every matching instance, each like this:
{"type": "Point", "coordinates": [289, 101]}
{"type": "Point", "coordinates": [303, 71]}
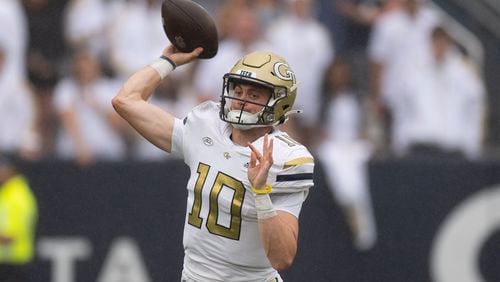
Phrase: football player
{"type": "Point", "coordinates": [248, 179]}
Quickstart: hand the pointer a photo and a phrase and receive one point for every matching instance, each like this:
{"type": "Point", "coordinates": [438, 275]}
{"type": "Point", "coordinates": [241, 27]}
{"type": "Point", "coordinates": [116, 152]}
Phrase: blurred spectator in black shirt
{"type": "Point", "coordinates": [45, 59]}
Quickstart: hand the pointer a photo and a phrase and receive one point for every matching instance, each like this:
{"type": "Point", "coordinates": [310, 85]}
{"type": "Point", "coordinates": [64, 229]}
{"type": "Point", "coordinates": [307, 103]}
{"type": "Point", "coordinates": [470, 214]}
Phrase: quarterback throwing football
{"type": "Point", "coordinates": [248, 179]}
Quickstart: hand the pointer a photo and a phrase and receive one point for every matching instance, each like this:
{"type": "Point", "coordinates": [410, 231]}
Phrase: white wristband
{"type": "Point", "coordinates": [163, 66]}
{"type": "Point", "coordinates": [264, 206]}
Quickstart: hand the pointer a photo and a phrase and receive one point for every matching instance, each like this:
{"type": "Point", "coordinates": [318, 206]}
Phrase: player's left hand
{"type": "Point", "coordinates": [259, 165]}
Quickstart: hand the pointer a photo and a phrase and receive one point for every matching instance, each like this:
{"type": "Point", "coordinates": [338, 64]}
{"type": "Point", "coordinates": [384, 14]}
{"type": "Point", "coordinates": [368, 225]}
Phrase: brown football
{"type": "Point", "coordinates": [188, 25]}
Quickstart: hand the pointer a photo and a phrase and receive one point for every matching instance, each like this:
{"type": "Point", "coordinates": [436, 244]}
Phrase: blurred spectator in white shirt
{"type": "Point", "coordinates": [344, 154]}
{"type": "Point", "coordinates": [91, 129]}
{"type": "Point", "coordinates": [86, 23]}
{"type": "Point", "coordinates": [18, 132]}
{"type": "Point", "coordinates": [442, 107]}
{"type": "Point", "coordinates": [400, 39]}
{"type": "Point", "coordinates": [18, 124]}
{"type": "Point", "coordinates": [307, 45]}
{"type": "Point", "coordinates": [136, 35]}
{"type": "Point", "coordinates": [14, 27]}
{"type": "Point", "coordinates": [242, 35]}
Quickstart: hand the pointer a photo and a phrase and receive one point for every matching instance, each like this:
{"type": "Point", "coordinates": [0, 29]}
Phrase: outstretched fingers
{"type": "Point", "coordinates": [196, 52]}
{"type": "Point", "coordinates": [269, 149]}
{"type": "Point", "coordinates": [266, 157]}
{"type": "Point", "coordinates": [256, 152]}
{"type": "Point", "coordinates": [253, 159]}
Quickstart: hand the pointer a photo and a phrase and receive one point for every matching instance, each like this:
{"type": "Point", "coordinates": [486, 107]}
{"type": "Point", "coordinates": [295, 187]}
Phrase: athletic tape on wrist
{"type": "Point", "coordinates": [163, 66]}
{"type": "Point", "coordinates": [264, 206]}
{"type": "Point", "coordinates": [169, 60]}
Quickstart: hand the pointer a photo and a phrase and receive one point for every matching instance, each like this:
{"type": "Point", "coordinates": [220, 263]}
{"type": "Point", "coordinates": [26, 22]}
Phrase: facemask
{"type": "Point", "coordinates": [236, 117]}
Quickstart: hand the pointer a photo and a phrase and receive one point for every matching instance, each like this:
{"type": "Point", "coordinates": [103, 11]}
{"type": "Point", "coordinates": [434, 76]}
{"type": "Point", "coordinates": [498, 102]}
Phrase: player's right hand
{"type": "Point", "coordinates": [260, 163]}
{"type": "Point", "coordinates": [180, 58]}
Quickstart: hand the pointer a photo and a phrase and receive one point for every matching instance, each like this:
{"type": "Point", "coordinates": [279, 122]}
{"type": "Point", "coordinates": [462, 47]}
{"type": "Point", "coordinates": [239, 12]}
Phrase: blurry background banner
{"type": "Point", "coordinates": [122, 222]}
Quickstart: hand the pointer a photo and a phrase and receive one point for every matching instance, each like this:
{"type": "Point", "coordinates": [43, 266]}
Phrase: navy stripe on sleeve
{"type": "Point", "coordinates": [294, 177]}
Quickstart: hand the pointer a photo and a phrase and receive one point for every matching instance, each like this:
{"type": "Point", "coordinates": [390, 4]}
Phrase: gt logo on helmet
{"type": "Point", "coordinates": [282, 70]}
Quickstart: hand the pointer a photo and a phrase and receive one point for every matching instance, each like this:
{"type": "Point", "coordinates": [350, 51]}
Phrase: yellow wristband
{"type": "Point", "coordinates": [268, 190]}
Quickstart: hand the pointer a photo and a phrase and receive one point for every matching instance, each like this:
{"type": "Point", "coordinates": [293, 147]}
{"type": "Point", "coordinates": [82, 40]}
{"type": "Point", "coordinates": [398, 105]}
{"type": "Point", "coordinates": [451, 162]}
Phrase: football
{"type": "Point", "coordinates": [188, 25]}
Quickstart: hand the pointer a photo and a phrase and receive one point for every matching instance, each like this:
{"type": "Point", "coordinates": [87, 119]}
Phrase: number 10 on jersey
{"type": "Point", "coordinates": [222, 180]}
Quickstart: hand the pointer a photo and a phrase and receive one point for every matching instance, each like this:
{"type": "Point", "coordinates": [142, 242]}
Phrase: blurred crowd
{"type": "Point", "coordinates": [375, 76]}
{"type": "Point", "coordinates": [385, 74]}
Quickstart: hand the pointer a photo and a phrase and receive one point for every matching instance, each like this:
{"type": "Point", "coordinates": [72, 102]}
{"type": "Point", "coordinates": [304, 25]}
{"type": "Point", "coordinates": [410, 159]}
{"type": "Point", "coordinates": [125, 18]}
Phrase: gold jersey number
{"type": "Point", "coordinates": [222, 180]}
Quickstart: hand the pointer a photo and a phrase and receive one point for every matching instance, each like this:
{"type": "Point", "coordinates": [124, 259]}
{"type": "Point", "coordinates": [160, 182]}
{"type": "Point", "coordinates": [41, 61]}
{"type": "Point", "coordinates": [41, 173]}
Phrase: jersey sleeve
{"type": "Point", "coordinates": [190, 128]}
{"type": "Point", "coordinates": [178, 138]}
{"type": "Point", "coordinates": [289, 202]}
{"type": "Point", "coordinates": [294, 171]}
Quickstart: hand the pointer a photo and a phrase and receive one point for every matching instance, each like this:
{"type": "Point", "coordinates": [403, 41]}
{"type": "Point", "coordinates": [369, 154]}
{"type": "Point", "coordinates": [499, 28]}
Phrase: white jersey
{"type": "Point", "coordinates": [221, 236]}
